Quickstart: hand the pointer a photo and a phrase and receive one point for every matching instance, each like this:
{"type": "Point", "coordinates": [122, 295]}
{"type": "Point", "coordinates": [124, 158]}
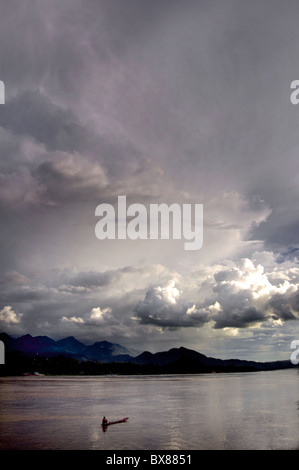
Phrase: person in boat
{"type": "Point", "coordinates": [104, 421]}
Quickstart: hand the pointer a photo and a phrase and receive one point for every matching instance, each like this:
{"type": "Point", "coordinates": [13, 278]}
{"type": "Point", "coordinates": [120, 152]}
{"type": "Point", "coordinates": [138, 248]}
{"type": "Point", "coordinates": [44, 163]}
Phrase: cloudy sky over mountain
{"type": "Point", "coordinates": [162, 101]}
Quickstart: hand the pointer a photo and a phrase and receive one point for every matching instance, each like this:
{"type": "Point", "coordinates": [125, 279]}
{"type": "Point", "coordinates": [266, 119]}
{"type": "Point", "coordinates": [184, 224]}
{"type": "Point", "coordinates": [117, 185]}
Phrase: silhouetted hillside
{"type": "Point", "coordinates": [70, 356]}
{"type": "Point", "coordinates": [46, 347]}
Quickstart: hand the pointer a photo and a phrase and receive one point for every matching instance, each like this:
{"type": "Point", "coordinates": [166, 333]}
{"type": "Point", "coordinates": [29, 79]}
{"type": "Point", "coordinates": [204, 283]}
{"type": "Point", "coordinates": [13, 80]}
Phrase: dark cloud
{"type": "Point", "coordinates": [94, 279]}
{"type": "Point", "coordinates": [291, 254]}
{"type": "Point", "coordinates": [33, 114]}
{"type": "Point", "coordinates": [239, 318]}
{"type": "Point", "coordinates": [163, 307]}
{"type": "Point", "coordinates": [240, 297]}
{"type": "Point", "coordinates": [50, 157]}
{"type": "Point", "coordinates": [285, 306]}
{"type": "Point", "coordinates": [160, 101]}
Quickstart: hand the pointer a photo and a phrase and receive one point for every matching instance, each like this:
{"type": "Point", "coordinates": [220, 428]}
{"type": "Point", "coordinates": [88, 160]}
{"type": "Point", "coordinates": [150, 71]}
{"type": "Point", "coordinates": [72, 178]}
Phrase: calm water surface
{"type": "Point", "coordinates": [213, 411]}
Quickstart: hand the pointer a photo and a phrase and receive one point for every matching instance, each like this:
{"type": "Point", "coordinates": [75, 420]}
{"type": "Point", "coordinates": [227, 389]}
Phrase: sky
{"type": "Point", "coordinates": [163, 102]}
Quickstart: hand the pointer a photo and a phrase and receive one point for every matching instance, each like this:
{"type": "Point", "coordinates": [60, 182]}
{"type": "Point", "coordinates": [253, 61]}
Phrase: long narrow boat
{"type": "Point", "coordinates": [115, 422]}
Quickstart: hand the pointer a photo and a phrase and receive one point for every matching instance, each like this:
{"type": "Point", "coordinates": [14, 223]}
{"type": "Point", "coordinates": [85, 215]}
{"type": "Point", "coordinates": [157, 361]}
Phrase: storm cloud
{"type": "Point", "coordinates": [241, 296]}
{"type": "Point", "coordinates": [164, 102]}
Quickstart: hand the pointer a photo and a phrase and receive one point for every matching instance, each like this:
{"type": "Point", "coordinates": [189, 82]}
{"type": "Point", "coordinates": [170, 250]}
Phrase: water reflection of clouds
{"type": "Point", "coordinates": [212, 411]}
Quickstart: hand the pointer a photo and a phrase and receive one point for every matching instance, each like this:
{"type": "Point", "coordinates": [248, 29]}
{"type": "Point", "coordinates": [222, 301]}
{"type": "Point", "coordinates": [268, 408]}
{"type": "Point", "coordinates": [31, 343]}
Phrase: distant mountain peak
{"type": "Point", "coordinates": [70, 339]}
{"type": "Point", "coordinates": [43, 345]}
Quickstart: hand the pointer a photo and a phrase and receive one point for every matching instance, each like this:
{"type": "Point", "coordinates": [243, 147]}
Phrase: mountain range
{"type": "Point", "coordinates": [101, 351]}
{"type": "Point", "coordinates": [175, 360]}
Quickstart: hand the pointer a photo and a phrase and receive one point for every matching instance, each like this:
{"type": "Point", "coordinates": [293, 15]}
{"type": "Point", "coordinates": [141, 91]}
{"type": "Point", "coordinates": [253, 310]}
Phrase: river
{"type": "Point", "coordinates": [237, 411]}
